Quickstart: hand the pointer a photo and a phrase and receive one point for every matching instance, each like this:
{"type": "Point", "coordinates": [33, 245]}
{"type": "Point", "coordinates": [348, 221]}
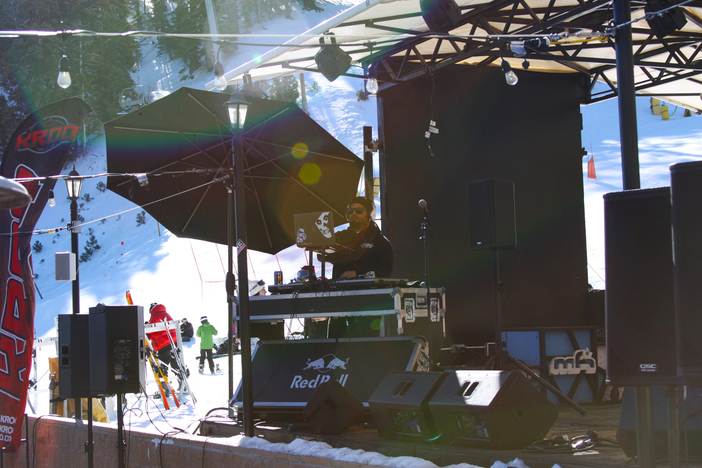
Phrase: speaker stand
{"type": "Point", "coordinates": [499, 358]}
{"type": "Point", "coordinates": [425, 238]}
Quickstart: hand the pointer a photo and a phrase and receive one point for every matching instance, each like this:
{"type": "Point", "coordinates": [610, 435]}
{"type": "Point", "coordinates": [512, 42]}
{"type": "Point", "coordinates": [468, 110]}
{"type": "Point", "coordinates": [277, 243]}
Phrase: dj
{"type": "Point", "coordinates": [370, 250]}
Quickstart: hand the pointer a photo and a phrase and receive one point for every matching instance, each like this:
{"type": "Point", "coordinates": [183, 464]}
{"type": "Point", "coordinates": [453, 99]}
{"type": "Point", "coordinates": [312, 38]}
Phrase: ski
{"type": "Point", "coordinates": [154, 366]}
{"type": "Point", "coordinates": [161, 379]}
{"type": "Point", "coordinates": [181, 365]}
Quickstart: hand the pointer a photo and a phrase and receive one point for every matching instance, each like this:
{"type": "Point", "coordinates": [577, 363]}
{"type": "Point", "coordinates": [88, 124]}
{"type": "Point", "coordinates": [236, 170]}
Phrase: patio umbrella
{"type": "Point", "coordinates": [181, 144]}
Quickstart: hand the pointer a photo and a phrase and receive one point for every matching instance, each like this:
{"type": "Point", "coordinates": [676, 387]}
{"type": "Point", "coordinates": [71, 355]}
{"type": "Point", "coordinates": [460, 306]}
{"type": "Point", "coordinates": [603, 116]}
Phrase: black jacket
{"type": "Point", "coordinates": [369, 251]}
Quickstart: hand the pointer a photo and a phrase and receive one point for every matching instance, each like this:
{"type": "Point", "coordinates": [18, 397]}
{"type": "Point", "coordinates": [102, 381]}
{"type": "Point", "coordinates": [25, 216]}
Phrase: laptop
{"type": "Point", "coordinates": [313, 230]}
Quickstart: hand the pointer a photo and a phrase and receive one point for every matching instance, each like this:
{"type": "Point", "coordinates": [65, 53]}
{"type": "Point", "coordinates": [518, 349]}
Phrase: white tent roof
{"type": "Point", "coordinates": [393, 35]}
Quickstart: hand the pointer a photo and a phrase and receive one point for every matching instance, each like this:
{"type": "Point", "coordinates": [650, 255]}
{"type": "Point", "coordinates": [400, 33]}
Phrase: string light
{"type": "Point", "coordinates": [220, 81]}
{"type": "Point", "coordinates": [510, 76]}
{"type": "Point", "coordinates": [64, 76]}
{"type": "Point", "coordinates": [52, 200]}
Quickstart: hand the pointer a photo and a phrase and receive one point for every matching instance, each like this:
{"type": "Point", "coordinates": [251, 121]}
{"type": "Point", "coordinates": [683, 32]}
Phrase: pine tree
{"type": "Point", "coordinates": [100, 67]}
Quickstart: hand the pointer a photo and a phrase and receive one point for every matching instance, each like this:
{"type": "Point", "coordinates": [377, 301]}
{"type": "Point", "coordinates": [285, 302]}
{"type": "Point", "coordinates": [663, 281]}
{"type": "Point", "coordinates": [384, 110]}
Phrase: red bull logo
{"type": "Point", "coordinates": [323, 365]}
{"type": "Point", "coordinates": [46, 135]}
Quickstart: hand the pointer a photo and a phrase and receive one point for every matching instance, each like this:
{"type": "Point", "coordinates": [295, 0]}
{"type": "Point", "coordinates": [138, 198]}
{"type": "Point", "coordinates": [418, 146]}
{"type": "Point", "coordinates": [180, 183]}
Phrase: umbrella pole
{"type": "Point", "coordinates": [245, 325]}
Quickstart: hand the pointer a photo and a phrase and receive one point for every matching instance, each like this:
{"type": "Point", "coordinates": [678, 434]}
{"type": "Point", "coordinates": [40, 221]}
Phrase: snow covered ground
{"type": "Point", "coordinates": [187, 276]}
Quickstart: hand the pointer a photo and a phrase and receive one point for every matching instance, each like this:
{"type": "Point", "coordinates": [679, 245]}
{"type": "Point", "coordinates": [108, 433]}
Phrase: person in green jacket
{"type": "Point", "coordinates": [205, 332]}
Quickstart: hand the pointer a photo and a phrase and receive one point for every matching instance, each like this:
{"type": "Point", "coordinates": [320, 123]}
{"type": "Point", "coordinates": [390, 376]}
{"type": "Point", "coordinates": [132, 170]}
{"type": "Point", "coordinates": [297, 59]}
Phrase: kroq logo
{"type": "Point", "coordinates": [46, 135]}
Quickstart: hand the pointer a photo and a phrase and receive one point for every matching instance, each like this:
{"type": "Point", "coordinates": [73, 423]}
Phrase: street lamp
{"type": "Point", "coordinates": [237, 107]}
{"type": "Point", "coordinates": [73, 185]}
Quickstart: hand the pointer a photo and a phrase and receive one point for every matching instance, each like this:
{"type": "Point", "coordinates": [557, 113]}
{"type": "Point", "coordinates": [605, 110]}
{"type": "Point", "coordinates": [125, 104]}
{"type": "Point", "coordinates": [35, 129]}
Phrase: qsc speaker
{"type": "Point", "coordinates": [116, 349]}
{"type": "Point", "coordinates": [689, 408]}
{"type": "Point", "coordinates": [639, 297]}
{"type": "Point", "coordinates": [331, 60]}
{"type": "Point", "coordinates": [440, 15]}
{"type": "Point", "coordinates": [491, 409]}
{"type": "Point", "coordinates": [400, 405]}
{"type": "Point", "coordinates": [331, 409]}
{"type": "Point", "coordinates": [74, 356]}
{"type": "Point", "coordinates": [491, 216]}
{"type": "Point", "coordinates": [686, 190]}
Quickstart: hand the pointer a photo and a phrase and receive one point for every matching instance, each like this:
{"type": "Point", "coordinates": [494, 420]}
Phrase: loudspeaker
{"type": "Point", "coordinates": [491, 215]}
{"type": "Point", "coordinates": [74, 356]}
{"type": "Point", "coordinates": [331, 409]}
{"type": "Point", "coordinates": [688, 414]}
{"type": "Point", "coordinates": [664, 24]}
{"type": "Point", "coordinates": [491, 409]}
{"type": "Point", "coordinates": [116, 349]}
{"type": "Point", "coordinates": [400, 405]}
{"type": "Point", "coordinates": [331, 61]}
{"type": "Point", "coordinates": [639, 298]}
{"type": "Point", "coordinates": [686, 190]}
{"type": "Point", "coordinates": [440, 15]}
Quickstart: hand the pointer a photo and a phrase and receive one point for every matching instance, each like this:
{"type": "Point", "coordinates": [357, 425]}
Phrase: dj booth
{"type": "Point", "coordinates": [286, 373]}
{"type": "Point", "coordinates": [383, 297]}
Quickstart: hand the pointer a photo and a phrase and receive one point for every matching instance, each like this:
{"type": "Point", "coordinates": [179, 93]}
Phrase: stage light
{"type": "Point", "coordinates": [331, 61]}
{"type": "Point", "coordinates": [664, 23]}
{"type": "Point", "coordinates": [143, 180]}
{"type": "Point", "coordinates": [440, 15]}
{"type": "Point", "coordinates": [64, 76]}
{"type": "Point", "coordinates": [13, 194]}
{"type": "Point", "coordinates": [510, 76]}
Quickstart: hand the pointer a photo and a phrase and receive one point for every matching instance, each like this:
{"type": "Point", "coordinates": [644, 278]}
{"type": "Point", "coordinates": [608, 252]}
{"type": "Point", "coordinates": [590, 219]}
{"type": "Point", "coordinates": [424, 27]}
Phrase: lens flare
{"type": "Point", "coordinates": [310, 174]}
{"type": "Point", "coordinates": [300, 150]}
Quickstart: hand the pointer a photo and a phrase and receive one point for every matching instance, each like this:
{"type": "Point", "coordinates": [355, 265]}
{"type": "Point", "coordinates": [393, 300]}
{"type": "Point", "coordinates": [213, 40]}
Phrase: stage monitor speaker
{"type": "Point", "coordinates": [116, 349]}
{"type": "Point", "coordinates": [491, 409]}
{"type": "Point", "coordinates": [640, 304]}
{"type": "Point", "coordinates": [74, 356]}
{"type": "Point", "coordinates": [440, 15]}
{"type": "Point", "coordinates": [686, 195]}
{"type": "Point", "coordinates": [690, 432]}
{"type": "Point", "coordinates": [332, 409]}
{"type": "Point", "coordinates": [491, 215]}
{"type": "Point", "coordinates": [400, 405]}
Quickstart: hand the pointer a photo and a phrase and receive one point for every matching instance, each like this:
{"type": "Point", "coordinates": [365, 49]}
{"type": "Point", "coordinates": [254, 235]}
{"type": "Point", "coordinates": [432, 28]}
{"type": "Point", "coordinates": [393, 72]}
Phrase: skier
{"type": "Point", "coordinates": [205, 332]}
{"type": "Point", "coordinates": [160, 342]}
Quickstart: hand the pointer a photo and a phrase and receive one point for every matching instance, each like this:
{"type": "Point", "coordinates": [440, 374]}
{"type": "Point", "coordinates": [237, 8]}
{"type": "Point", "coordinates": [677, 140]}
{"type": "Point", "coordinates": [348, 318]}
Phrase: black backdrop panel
{"type": "Point", "coordinates": [528, 134]}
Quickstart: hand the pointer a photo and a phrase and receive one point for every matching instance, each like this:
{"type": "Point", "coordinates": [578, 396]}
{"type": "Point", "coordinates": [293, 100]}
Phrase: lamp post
{"type": "Point", "coordinates": [237, 107]}
{"type": "Point", "coordinates": [73, 185]}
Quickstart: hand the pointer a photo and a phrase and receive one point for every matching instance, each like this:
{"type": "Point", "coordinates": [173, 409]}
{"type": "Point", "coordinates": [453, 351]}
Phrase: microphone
{"type": "Point", "coordinates": [423, 205]}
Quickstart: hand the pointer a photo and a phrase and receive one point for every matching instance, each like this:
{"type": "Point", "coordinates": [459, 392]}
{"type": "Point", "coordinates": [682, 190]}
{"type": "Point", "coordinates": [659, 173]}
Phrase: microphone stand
{"type": "Point", "coordinates": [425, 236]}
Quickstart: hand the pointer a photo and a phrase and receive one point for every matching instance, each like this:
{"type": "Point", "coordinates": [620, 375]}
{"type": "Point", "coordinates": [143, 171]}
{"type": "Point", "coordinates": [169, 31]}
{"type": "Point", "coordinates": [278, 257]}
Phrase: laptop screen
{"type": "Point", "coordinates": [314, 229]}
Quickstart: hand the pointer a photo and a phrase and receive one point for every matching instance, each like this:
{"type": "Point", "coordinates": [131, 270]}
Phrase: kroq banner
{"type": "Point", "coordinates": [38, 148]}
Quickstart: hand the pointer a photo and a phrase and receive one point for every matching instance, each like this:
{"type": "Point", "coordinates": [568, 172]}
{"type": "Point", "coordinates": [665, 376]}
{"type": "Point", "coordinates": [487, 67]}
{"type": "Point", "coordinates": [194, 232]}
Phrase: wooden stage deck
{"type": "Point", "coordinates": [603, 418]}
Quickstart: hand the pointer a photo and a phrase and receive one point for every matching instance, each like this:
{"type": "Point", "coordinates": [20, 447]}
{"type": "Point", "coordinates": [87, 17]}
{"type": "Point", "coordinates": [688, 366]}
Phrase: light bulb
{"type": "Point", "coordinates": [52, 200]}
{"type": "Point", "coordinates": [372, 85]}
{"type": "Point", "coordinates": [220, 82]}
{"type": "Point", "coordinates": [510, 76]}
{"type": "Point", "coordinates": [64, 77]}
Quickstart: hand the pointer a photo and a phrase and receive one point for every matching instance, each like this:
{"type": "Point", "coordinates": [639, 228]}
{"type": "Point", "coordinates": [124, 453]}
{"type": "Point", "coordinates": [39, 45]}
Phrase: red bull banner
{"type": "Point", "coordinates": [38, 148]}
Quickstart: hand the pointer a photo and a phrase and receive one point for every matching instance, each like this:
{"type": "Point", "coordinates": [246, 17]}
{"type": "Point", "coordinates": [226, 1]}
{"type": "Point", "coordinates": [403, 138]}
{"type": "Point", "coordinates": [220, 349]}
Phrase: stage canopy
{"type": "Point", "coordinates": [393, 39]}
